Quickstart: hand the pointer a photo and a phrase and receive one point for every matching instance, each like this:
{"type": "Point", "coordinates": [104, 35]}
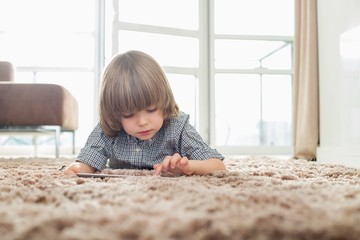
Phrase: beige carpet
{"type": "Point", "coordinates": [259, 198]}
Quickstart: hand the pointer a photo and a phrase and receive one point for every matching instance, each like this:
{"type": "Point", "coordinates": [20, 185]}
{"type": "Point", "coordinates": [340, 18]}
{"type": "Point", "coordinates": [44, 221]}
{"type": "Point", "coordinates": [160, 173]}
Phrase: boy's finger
{"type": "Point", "coordinates": [69, 173]}
{"type": "Point", "coordinates": [157, 168]}
{"type": "Point", "coordinates": [166, 162]}
{"type": "Point", "coordinates": [183, 161]}
{"type": "Point", "coordinates": [175, 160]}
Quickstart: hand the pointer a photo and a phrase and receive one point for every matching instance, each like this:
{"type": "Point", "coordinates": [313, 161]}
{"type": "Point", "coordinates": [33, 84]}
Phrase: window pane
{"type": "Point", "coordinates": [255, 17]}
{"type": "Point", "coordinates": [237, 109]}
{"type": "Point", "coordinates": [57, 33]}
{"type": "Point", "coordinates": [281, 59]}
{"type": "Point", "coordinates": [176, 13]}
{"type": "Point", "coordinates": [25, 77]}
{"type": "Point", "coordinates": [45, 15]}
{"type": "Point", "coordinates": [184, 88]}
{"type": "Point", "coordinates": [167, 50]}
{"type": "Point", "coordinates": [48, 50]}
{"type": "Point", "coordinates": [277, 105]}
{"type": "Point", "coordinates": [245, 54]}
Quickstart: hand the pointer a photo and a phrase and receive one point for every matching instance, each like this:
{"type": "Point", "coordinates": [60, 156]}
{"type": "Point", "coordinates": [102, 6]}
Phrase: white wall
{"type": "Point", "coordinates": [339, 136]}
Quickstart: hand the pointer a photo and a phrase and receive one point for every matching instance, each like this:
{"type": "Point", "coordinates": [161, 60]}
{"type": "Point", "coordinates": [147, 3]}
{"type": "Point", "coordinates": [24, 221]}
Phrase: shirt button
{"type": "Point", "coordinates": [137, 149]}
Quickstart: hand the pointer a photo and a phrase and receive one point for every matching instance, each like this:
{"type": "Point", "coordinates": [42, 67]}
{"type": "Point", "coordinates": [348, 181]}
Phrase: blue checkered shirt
{"type": "Point", "coordinates": [176, 135]}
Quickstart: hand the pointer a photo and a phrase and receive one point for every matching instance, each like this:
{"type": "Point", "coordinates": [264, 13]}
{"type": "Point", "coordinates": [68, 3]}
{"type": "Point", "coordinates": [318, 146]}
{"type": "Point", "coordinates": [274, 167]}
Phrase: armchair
{"type": "Point", "coordinates": [35, 108]}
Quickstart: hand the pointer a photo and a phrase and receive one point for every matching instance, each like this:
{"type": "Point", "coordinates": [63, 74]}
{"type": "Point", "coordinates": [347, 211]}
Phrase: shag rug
{"type": "Point", "coordinates": [257, 198]}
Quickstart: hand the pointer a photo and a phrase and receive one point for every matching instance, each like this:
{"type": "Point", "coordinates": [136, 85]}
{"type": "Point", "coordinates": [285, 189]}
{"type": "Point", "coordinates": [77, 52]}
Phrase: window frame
{"type": "Point", "coordinates": [98, 63]}
{"type": "Point", "coordinates": [206, 71]}
{"type": "Point", "coordinates": [200, 72]}
{"type": "Point", "coordinates": [240, 150]}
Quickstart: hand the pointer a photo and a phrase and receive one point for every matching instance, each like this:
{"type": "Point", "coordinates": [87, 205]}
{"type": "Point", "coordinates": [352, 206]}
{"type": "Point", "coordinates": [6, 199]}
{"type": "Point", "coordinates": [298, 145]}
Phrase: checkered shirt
{"type": "Point", "coordinates": [176, 135]}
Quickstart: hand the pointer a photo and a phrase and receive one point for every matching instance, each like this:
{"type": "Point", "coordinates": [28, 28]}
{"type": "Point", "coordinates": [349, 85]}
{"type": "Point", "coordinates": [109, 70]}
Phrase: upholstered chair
{"type": "Point", "coordinates": [35, 108]}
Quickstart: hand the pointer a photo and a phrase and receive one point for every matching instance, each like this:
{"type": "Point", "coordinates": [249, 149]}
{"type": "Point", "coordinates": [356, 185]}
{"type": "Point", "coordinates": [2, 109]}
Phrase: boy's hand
{"type": "Point", "coordinates": [174, 164]}
{"type": "Point", "coordinates": [78, 167]}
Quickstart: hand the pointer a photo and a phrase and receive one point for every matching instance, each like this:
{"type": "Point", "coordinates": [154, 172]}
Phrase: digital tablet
{"type": "Point", "coordinates": [101, 175]}
{"type": "Point", "coordinates": [104, 175]}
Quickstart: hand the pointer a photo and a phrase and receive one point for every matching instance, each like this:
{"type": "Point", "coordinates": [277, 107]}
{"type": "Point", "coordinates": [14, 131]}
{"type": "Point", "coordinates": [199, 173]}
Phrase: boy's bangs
{"type": "Point", "coordinates": [137, 97]}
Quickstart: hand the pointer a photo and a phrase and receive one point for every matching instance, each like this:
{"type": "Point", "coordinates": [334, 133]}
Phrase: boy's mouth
{"type": "Point", "coordinates": [144, 133]}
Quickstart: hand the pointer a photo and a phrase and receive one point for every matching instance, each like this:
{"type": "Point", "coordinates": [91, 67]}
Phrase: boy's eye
{"type": "Point", "coordinates": [127, 115]}
{"type": "Point", "coordinates": [150, 110]}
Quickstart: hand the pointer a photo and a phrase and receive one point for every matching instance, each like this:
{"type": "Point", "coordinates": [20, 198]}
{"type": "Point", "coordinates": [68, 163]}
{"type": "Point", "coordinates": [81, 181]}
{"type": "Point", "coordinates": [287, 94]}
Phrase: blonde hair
{"type": "Point", "coordinates": [133, 81]}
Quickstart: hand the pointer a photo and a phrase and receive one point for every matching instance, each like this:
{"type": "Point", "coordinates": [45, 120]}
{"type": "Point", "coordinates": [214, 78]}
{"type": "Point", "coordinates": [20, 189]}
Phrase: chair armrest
{"type": "Point", "coordinates": [34, 104]}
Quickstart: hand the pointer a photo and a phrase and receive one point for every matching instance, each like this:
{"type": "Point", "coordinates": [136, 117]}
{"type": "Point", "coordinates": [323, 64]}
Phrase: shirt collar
{"type": "Point", "coordinates": [140, 142]}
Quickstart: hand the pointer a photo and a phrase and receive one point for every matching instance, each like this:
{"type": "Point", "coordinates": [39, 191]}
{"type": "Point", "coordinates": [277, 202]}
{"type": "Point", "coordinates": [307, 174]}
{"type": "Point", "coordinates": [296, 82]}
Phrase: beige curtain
{"type": "Point", "coordinates": [306, 94]}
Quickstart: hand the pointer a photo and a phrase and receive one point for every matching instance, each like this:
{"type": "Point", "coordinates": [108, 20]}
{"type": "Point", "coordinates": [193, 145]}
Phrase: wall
{"type": "Point", "coordinates": [339, 104]}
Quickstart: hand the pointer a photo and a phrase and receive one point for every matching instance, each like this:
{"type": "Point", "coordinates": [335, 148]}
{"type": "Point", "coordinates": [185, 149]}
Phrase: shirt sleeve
{"type": "Point", "coordinates": [97, 149]}
{"type": "Point", "coordinates": [191, 144]}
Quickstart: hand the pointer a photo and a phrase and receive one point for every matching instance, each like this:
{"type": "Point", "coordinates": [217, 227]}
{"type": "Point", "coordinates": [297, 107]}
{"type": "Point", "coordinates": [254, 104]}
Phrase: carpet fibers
{"type": "Point", "coordinates": [257, 198]}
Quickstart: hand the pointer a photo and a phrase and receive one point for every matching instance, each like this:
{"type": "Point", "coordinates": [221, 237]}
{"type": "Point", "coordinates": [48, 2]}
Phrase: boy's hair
{"type": "Point", "coordinates": [133, 81]}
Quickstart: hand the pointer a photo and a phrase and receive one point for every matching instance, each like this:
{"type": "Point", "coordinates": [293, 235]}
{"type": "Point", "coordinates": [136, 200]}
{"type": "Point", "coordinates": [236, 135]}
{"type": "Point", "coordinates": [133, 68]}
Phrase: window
{"type": "Point", "coordinates": [251, 62]}
{"type": "Point", "coordinates": [244, 68]}
{"type": "Point", "coordinates": [229, 62]}
{"type": "Point", "coordinates": [174, 42]}
{"type": "Point", "coordinates": [47, 47]}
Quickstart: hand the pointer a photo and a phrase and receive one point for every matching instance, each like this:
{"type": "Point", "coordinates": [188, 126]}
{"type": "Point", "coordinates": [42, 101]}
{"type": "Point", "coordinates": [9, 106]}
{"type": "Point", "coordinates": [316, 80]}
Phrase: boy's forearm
{"type": "Point", "coordinates": [202, 167]}
{"type": "Point", "coordinates": [78, 167]}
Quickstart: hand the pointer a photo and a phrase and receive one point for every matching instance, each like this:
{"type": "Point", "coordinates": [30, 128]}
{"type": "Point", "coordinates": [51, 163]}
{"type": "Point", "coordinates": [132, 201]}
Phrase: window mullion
{"type": "Point", "coordinates": [156, 29]}
{"type": "Point", "coordinates": [253, 37]}
{"type": "Point", "coordinates": [211, 65]}
{"type": "Point", "coordinates": [254, 71]}
{"type": "Point", "coordinates": [99, 56]}
{"type": "Point", "coordinates": [205, 74]}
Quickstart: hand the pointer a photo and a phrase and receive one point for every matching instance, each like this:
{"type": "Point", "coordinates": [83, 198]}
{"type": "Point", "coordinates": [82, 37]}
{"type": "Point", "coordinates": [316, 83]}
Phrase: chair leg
{"type": "Point", "coordinates": [35, 144]}
{"type": "Point", "coordinates": [57, 141]}
{"type": "Point", "coordinates": [73, 142]}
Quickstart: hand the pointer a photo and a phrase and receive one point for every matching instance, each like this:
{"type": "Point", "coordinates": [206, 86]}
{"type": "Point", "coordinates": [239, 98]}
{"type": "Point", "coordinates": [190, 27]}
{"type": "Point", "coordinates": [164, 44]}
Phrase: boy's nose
{"type": "Point", "coordinates": [142, 119]}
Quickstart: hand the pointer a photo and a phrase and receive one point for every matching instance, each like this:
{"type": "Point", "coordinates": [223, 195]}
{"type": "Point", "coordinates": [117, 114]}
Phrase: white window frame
{"type": "Point", "coordinates": [96, 70]}
{"type": "Point", "coordinates": [206, 71]}
{"type": "Point", "coordinates": [239, 150]}
{"type": "Point", "coordinates": [200, 72]}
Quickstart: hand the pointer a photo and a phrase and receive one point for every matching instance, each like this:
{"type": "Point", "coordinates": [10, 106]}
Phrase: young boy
{"type": "Point", "coordinates": [141, 125]}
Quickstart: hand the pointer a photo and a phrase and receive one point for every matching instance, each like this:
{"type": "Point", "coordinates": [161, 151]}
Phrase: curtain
{"type": "Point", "coordinates": [306, 86]}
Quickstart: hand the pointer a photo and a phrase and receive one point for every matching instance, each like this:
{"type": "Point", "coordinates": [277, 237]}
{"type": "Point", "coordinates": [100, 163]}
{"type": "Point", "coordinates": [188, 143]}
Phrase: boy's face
{"type": "Point", "coordinates": [143, 124]}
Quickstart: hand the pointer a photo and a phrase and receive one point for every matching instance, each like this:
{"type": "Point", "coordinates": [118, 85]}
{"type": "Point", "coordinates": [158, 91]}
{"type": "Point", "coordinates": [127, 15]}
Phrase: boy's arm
{"type": "Point", "coordinates": [78, 167]}
{"type": "Point", "coordinates": [178, 164]}
{"type": "Point", "coordinates": [203, 167]}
